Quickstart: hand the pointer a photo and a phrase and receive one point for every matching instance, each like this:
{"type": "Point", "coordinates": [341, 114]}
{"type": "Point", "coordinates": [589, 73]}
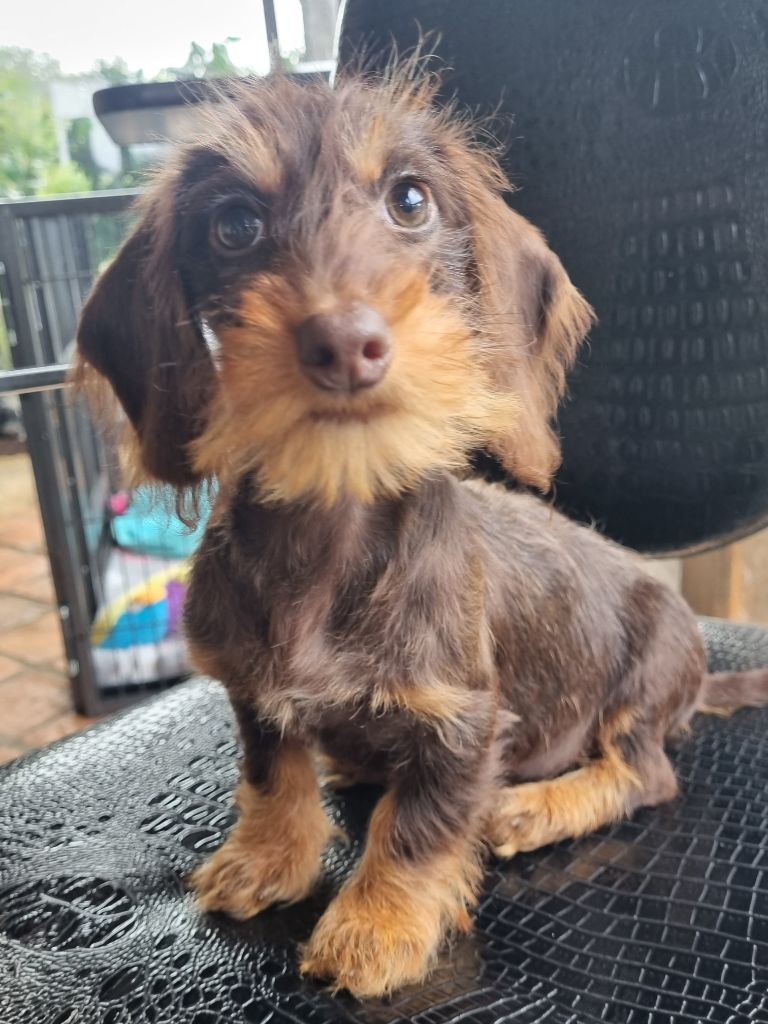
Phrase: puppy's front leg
{"type": "Point", "coordinates": [273, 852]}
{"type": "Point", "coordinates": [419, 873]}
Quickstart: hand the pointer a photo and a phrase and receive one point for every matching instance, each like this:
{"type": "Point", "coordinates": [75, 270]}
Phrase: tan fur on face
{"type": "Point", "coordinates": [434, 404]}
{"type": "Point", "coordinates": [255, 155]}
{"type": "Point", "coordinates": [371, 142]}
{"type": "Point", "coordinates": [538, 813]}
{"type": "Point", "coordinates": [273, 853]}
{"type": "Point", "coordinates": [387, 924]}
{"type": "Point", "coordinates": [368, 157]}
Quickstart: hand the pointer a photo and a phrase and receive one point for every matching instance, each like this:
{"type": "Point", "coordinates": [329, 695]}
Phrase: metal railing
{"type": "Point", "coordinates": [33, 380]}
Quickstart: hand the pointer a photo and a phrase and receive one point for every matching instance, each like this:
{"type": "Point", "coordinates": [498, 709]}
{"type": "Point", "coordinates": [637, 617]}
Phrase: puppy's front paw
{"type": "Point", "coordinates": [371, 946]}
{"type": "Point", "coordinates": [243, 879]}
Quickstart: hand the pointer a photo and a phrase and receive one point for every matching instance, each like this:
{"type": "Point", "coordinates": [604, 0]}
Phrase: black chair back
{"type": "Point", "coordinates": [640, 147]}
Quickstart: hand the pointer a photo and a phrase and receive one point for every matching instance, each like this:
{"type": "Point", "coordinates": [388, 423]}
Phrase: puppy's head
{"type": "Point", "coordinates": [328, 290]}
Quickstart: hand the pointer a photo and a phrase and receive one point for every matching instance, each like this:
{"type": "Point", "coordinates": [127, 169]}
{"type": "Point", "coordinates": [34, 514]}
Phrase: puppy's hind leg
{"type": "Point", "coordinates": [722, 693]}
{"type": "Point", "coordinates": [656, 697]}
{"type": "Point", "coordinates": [630, 771]}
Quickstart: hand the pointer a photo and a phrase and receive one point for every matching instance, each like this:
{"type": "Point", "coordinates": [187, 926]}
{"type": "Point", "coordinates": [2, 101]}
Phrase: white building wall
{"type": "Point", "coordinates": [71, 99]}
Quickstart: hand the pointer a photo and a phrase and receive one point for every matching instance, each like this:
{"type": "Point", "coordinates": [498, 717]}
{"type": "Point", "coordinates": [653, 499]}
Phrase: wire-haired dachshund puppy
{"type": "Point", "coordinates": [326, 305]}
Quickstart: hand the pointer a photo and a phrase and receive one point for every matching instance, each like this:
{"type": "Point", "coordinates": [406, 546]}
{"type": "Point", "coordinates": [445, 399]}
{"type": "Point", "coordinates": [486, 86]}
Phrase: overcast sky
{"type": "Point", "coordinates": [148, 34]}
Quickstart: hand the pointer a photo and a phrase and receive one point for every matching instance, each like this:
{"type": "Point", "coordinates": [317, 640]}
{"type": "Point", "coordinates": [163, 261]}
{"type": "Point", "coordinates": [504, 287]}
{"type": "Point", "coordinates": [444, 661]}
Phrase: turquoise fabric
{"type": "Point", "coordinates": [150, 525]}
{"type": "Point", "coordinates": [147, 625]}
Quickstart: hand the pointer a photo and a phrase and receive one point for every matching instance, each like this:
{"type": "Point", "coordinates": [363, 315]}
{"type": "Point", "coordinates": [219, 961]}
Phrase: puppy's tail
{"type": "Point", "coordinates": [724, 692]}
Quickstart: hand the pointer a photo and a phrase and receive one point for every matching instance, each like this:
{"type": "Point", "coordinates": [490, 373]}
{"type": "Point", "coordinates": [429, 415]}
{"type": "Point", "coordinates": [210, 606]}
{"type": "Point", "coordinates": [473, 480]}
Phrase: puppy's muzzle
{"type": "Point", "coordinates": [345, 350]}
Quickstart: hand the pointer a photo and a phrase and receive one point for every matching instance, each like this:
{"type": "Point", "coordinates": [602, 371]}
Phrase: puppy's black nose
{"type": "Point", "coordinates": [345, 350]}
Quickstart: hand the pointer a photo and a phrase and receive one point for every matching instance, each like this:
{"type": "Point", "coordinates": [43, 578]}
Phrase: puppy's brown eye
{"type": "Point", "coordinates": [237, 227]}
{"type": "Point", "coordinates": [409, 204]}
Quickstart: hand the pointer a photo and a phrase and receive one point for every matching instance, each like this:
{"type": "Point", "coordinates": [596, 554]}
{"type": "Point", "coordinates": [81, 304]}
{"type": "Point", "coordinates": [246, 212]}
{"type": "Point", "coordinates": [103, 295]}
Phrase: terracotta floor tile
{"type": "Point", "coordinates": [8, 667]}
{"type": "Point", "coordinates": [64, 725]}
{"type": "Point", "coordinates": [30, 700]}
{"type": "Point", "coordinates": [12, 563]}
{"type": "Point", "coordinates": [18, 566]}
{"type": "Point", "coordinates": [18, 611]}
{"type": "Point", "coordinates": [39, 588]}
{"type": "Point", "coordinates": [23, 531]}
{"type": "Point", "coordinates": [43, 674]}
{"type": "Point", "coordinates": [8, 751]}
{"type": "Point", "coordinates": [57, 664]}
{"type": "Point", "coordinates": [35, 696]}
{"type": "Point", "coordinates": [37, 642]}
{"type": "Point", "coordinates": [17, 482]}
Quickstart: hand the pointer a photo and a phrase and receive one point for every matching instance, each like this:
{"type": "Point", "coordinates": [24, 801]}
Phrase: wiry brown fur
{"type": "Point", "coordinates": [509, 676]}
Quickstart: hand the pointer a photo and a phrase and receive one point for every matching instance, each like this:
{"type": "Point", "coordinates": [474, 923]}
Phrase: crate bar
{"type": "Point", "coordinates": [42, 434]}
{"type": "Point", "coordinates": [33, 379]}
{"type": "Point", "coordinates": [273, 42]}
{"type": "Point", "coordinates": [114, 201]}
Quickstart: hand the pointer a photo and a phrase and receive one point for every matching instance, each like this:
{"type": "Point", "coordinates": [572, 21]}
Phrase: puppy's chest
{"type": "Point", "coordinates": [311, 655]}
{"type": "Point", "coordinates": [352, 621]}
{"type": "Point", "coordinates": [329, 653]}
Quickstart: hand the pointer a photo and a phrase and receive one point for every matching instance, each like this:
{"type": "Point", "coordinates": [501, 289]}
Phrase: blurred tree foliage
{"type": "Point", "coordinates": [27, 139]}
{"type": "Point", "coordinates": [29, 158]}
{"type": "Point", "coordinates": [117, 72]}
{"type": "Point", "coordinates": [205, 63]}
{"type": "Point", "coordinates": [57, 179]}
{"type": "Point", "coordinates": [79, 146]}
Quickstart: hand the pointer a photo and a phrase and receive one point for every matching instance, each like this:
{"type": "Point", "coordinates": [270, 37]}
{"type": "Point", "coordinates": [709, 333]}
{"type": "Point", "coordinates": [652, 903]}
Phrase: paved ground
{"type": "Point", "coordinates": [35, 705]}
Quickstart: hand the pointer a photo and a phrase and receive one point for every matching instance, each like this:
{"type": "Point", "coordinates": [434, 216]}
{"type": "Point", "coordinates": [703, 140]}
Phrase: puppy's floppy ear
{"type": "Point", "coordinates": [536, 319]}
{"type": "Point", "coordinates": [136, 331]}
